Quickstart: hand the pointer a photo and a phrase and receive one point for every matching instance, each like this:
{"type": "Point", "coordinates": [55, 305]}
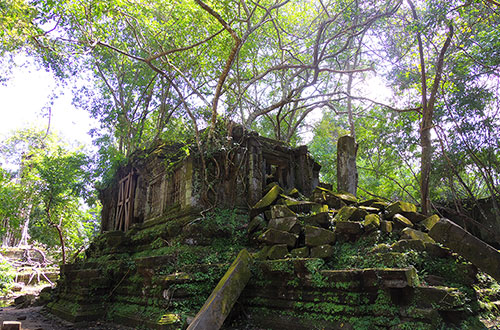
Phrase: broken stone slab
{"type": "Point", "coordinates": [369, 209]}
{"type": "Point", "coordinates": [372, 222]}
{"type": "Point", "coordinates": [302, 252]}
{"type": "Point", "coordinates": [346, 197]}
{"type": "Point", "coordinates": [400, 207]}
{"type": "Point", "coordinates": [278, 251]}
{"type": "Point", "coordinates": [316, 236]}
{"type": "Point", "coordinates": [348, 227]}
{"type": "Point", "coordinates": [266, 201]}
{"type": "Point", "coordinates": [409, 233]}
{"type": "Point", "coordinates": [386, 226]}
{"type": "Point", "coordinates": [414, 217]}
{"type": "Point", "coordinates": [434, 250]}
{"type": "Point", "coordinates": [273, 236]}
{"type": "Point", "coordinates": [468, 246]}
{"type": "Point", "coordinates": [289, 224]}
{"type": "Point", "coordinates": [321, 219]}
{"type": "Point", "coordinates": [257, 223]}
{"type": "Point", "coordinates": [281, 211]}
{"type": "Point", "coordinates": [350, 213]}
{"type": "Point", "coordinates": [218, 305]}
{"type": "Point", "coordinates": [322, 251]}
{"type": "Point", "coordinates": [429, 222]}
{"type": "Point", "coordinates": [402, 221]}
{"type": "Point", "coordinates": [375, 203]}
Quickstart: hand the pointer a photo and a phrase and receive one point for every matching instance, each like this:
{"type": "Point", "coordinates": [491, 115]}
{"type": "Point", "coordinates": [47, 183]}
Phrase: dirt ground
{"type": "Point", "coordinates": [34, 318]}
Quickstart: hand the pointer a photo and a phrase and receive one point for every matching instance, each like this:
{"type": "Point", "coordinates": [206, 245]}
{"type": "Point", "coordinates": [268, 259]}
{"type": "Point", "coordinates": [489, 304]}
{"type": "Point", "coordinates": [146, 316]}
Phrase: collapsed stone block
{"type": "Point", "coordinates": [402, 221]}
{"type": "Point", "coordinates": [302, 252]}
{"type": "Point", "coordinates": [400, 207]}
{"type": "Point", "coordinates": [274, 236]}
{"type": "Point", "coordinates": [429, 222]}
{"type": "Point", "coordinates": [468, 246]}
{"type": "Point", "coordinates": [321, 219]}
{"type": "Point", "coordinates": [372, 222]}
{"type": "Point", "coordinates": [278, 251]}
{"type": "Point", "coordinates": [281, 211]}
{"type": "Point", "coordinates": [322, 251]}
{"type": "Point", "coordinates": [289, 224]}
{"type": "Point", "coordinates": [408, 244]}
{"type": "Point", "coordinates": [386, 226]}
{"type": "Point", "coordinates": [318, 236]}
{"type": "Point", "coordinates": [409, 233]}
{"type": "Point", "coordinates": [348, 227]}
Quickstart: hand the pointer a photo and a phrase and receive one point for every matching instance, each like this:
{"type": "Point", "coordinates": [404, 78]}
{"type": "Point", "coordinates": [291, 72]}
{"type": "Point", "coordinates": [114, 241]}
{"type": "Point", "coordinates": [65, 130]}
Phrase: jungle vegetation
{"type": "Point", "coordinates": [293, 70]}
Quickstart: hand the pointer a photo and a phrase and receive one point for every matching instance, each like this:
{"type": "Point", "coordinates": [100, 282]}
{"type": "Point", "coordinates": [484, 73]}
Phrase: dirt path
{"type": "Point", "coordinates": [34, 318]}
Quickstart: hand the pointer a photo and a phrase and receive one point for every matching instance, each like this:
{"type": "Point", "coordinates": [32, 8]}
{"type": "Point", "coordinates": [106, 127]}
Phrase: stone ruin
{"type": "Point", "coordinates": [167, 178]}
{"type": "Point", "coordinates": [285, 252]}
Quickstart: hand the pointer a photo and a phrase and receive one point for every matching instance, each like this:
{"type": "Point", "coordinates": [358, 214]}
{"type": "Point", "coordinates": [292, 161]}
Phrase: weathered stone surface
{"type": "Point", "coordinates": [374, 277]}
{"type": "Point", "coordinates": [429, 222]}
{"type": "Point", "coordinates": [375, 203]}
{"type": "Point", "coordinates": [217, 307]}
{"type": "Point", "coordinates": [322, 251]}
{"type": "Point", "coordinates": [302, 252]}
{"type": "Point", "coordinates": [257, 223]}
{"type": "Point", "coordinates": [318, 236]}
{"type": "Point", "coordinates": [281, 211]}
{"type": "Point", "coordinates": [278, 251]}
{"type": "Point", "coordinates": [409, 233]}
{"type": "Point", "coordinates": [267, 200]}
{"type": "Point", "coordinates": [274, 236]}
{"type": "Point", "coordinates": [372, 222]}
{"type": "Point", "coordinates": [289, 224]}
{"type": "Point", "coordinates": [468, 246]}
{"type": "Point", "coordinates": [400, 207]}
{"type": "Point", "coordinates": [369, 209]}
{"type": "Point", "coordinates": [11, 325]}
{"type": "Point", "coordinates": [402, 221]}
{"type": "Point", "coordinates": [435, 250]}
{"type": "Point", "coordinates": [414, 217]}
{"type": "Point", "coordinates": [347, 173]}
{"type": "Point", "coordinates": [350, 213]}
{"type": "Point", "coordinates": [346, 197]}
{"type": "Point", "coordinates": [294, 192]}
{"type": "Point", "coordinates": [408, 244]}
{"type": "Point", "coordinates": [439, 298]}
{"type": "Point", "coordinates": [262, 254]}
{"type": "Point", "coordinates": [321, 219]}
{"type": "Point", "coordinates": [348, 227]}
{"type": "Point", "coordinates": [386, 226]}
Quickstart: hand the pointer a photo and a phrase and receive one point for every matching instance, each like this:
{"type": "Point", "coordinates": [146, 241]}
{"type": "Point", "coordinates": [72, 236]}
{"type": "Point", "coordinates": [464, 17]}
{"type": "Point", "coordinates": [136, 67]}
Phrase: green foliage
{"type": "Point", "coordinates": [7, 274]}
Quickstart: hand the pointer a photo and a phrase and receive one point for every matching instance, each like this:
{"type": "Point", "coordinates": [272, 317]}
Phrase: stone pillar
{"type": "Point", "coordinates": [347, 173]}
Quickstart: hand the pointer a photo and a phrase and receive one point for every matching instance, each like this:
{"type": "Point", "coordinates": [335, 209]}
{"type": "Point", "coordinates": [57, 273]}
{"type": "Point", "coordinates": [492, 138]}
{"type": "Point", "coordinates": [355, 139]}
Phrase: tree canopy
{"type": "Point", "coordinates": [165, 69]}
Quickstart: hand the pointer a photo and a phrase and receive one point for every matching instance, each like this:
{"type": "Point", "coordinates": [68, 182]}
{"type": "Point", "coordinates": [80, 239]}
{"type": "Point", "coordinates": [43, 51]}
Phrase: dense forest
{"type": "Point", "coordinates": [303, 72]}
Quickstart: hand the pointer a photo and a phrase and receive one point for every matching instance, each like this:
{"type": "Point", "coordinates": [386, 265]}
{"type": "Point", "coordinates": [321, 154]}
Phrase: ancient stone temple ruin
{"type": "Point", "coordinates": [265, 246]}
{"type": "Point", "coordinates": [168, 178]}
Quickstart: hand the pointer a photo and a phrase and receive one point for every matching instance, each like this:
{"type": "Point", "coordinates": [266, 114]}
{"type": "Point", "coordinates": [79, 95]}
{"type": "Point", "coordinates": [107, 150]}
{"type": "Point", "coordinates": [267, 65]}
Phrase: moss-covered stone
{"type": "Point", "coordinates": [345, 214]}
{"type": "Point", "coordinates": [289, 224]}
{"type": "Point", "coordinates": [257, 223]}
{"type": "Point", "coordinates": [322, 251]}
{"type": "Point", "coordinates": [273, 236]}
{"type": "Point", "coordinates": [267, 200]}
{"type": "Point", "coordinates": [281, 211]}
{"type": "Point", "coordinates": [409, 233]}
{"type": "Point", "coordinates": [402, 221]}
{"type": "Point", "coordinates": [372, 222]}
{"type": "Point", "coordinates": [278, 251]}
{"type": "Point", "coordinates": [318, 236]}
{"type": "Point", "coordinates": [302, 252]}
{"type": "Point", "coordinates": [386, 226]}
{"type": "Point", "coordinates": [321, 219]}
{"type": "Point", "coordinates": [400, 207]}
{"type": "Point", "coordinates": [429, 222]}
{"type": "Point", "coordinates": [346, 197]}
{"type": "Point", "coordinates": [348, 227]}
